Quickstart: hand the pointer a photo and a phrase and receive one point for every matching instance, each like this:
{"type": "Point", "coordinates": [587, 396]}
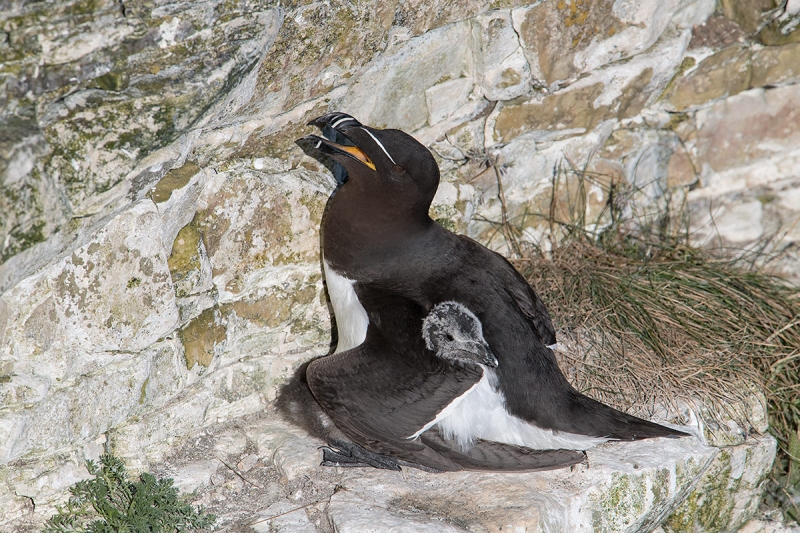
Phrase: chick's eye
{"type": "Point", "coordinates": [449, 338]}
{"type": "Point", "coordinates": [398, 168]}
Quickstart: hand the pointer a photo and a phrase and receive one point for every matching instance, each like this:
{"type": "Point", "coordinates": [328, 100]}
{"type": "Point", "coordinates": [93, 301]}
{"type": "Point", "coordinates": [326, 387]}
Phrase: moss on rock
{"type": "Point", "coordinates": [200, 336]}
{"type": "Point", "coordinates": [177, 178]}
{"type": "Point", "coordinates": [108, 84]}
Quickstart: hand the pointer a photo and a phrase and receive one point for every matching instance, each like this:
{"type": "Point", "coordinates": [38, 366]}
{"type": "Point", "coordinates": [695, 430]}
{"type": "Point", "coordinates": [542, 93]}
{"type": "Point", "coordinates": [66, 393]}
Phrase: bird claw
{"type": "Point", "coordinates": [352, 455]}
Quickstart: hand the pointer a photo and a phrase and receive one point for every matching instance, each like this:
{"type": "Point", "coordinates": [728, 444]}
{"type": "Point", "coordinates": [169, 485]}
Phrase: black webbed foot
{"type": "Point", "coordinates": [347, 454]}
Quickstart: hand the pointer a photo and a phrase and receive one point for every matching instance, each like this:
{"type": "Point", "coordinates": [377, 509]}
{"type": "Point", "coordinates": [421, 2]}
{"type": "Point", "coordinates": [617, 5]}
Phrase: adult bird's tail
{"type": "Point", "coordinates": [590, 417]}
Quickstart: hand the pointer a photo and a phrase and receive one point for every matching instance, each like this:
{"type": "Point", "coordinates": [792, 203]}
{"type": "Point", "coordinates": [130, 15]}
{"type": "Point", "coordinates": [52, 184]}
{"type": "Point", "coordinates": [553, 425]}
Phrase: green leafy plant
{"type": "Point", "coordinates": [111, 502]}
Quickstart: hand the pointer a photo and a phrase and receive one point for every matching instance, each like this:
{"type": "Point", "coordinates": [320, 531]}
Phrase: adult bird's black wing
{"type": "Point", "coordinates": [487, 455]}
{"type": "Point", "coordinates": [374, 393]}
{"type": "Point", "coordinates": [379, 401]}
{"type": "Point", "coordinates": [518, 329]}
{"type": "Point", "coordinates": [515, 286]}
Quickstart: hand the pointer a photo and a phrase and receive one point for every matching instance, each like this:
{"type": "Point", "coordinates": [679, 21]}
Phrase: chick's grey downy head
{"type": "Point", "coordinates": [453, 332]}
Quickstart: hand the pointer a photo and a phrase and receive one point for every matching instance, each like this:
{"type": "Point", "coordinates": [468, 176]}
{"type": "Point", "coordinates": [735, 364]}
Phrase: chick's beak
{"type": "Point", "coordinates": [477, 352]}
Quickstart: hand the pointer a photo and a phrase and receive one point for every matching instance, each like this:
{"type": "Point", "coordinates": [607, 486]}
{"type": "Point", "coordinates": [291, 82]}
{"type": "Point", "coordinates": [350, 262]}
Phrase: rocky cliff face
{"type": "Point", "coordinates": [159, 242]}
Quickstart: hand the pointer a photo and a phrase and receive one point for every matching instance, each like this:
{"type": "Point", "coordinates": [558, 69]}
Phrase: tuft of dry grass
{"type": "Point", "coordinates": [676, 324]}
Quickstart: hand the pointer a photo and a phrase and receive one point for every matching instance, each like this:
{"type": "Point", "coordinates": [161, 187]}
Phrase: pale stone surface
{"type": "Point", "coordinates": [40, 480]}
{"type": "Point", "coordinates": [618, 91]}
{"type": "Point", "coordinates": [351, 514]}
{"type": "Point", "coordinates": [776, 65]}
{"type": "Point", "coordinates": [738, 223]}
{"type": "Point", "coordinates": [160, 246]}
{"type": "Point", "coordinates": [93, 310]}
{"type": "Point", "coordinates": [112, 293]}
{"type": "Point", "coordinates": [722, 499]}
{"type": "Point", "coordinates": [765, 122]}
{"type": "Point", "coordinates": [289, 520]}
{"type": "Point", "coordinates": [500, 64]}
{"type": "Point", "coordinates": [94, 90]}
{"type": "Point", "coordinates": [732, 70]}
{"type": "Point", "coordinates": [252, 223]}
{"type": "Point", "coordinates": [772, 23]}
{"type": "Point", "coordinates": [744, 149]}
{"type": "Point", "coordinates": [443, 99]}
{"type": "Point", "coordinates": [391, 93]}
{"type": "Point", "coordinates": [196, 475]}
{"type": "Point", "coordinates": [768, 526]}
{"type": "Point", "coordinates": [623, 487]}
{"type": "Point", "coordinates": [723, 74]}
{"type": "Point", "coordinates": [595, 34]}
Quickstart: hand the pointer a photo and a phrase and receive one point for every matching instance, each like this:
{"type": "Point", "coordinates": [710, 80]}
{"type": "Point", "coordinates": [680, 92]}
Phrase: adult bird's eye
{"type": "Point", "coordinates": [449, 338]}
{"type": "Point", "coordinates": [398, 168]}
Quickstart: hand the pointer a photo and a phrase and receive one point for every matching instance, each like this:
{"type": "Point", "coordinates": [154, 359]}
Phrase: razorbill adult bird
{"type": "Point", "coordinates": [379, 242]}
{"type": "Point", "coordinates": [386, 394]}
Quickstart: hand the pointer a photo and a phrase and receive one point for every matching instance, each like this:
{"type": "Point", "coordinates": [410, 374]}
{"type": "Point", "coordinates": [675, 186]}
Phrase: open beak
{"type": "Point", "coordinates": [334, 140]}
{"type": "Point", "coordinates": [329, 147]}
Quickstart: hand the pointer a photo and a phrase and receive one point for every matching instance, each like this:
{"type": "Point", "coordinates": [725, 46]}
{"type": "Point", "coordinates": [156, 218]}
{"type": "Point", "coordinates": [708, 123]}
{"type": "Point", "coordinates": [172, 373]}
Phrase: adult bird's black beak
{"type": "Point", "coordinates": [334, 121]}
{"type": "Point", "coordinates": [332, 148]}
{"type": "Point", "coordinates": [334, 140]}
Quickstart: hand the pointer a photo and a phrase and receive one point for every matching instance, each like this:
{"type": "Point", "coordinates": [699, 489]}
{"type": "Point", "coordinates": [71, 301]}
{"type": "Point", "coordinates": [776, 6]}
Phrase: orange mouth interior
{"type": "Point", "coordinates": [355, 152]}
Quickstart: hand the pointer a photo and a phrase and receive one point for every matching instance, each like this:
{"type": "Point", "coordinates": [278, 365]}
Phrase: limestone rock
{"type": "Point", "coordinates": [723, 498]}
{"type": "Point", "coordinates": [337, 40]}
{"type": "Point", "coordinates": [92, 90]}
{"type": "Point", "coordinates": [629, 487]}
{"type": "Point", "coordinates": [159, 245]}
{"type": "Point", "coordinates": [773, 23]}
{"type": "Point", "coordinates": [740, 223]}
{"type": "Point", "coordinates": [423, 15]}
{"type": "Point", "coordinates": [769, 526]}
{"type": "Point", "coordinates": [623, 487]}
{"type": "Point", "coordinates": [723, 74]}
{"type": "Point", "coordinates": [287, 521]}
{"type": "Point", "coordinates": [89, 313]}
{"type": "Point", "coordinates": [175, 196]}
{"type": "Point", "coordinates": [776, 65]}
{"type": "Point", "coordinates": [500, 63]}
{"type": "Point", "coordinates": [751, 175]}
{"type": "Point", "coordinates": [444, 99]}
{"type": "Point", "coordinates": [391, 93]}
{"type": "Point", "coordinates": [760, 114]}
{"type": "Point", "coordinates": [594, 34]}
{"type": "Point", "coordinates": [114, 293]}
{"type": "Point", "coordinates": [196, 475]}
{"type": "Point", "coordinates": [733, 70]}
{"type": "Point", "coordinates": [716, 33]}
{"type": "Point", "coordinates": [250, 222]}
{"type": "Point", "coordinates": [747, 13]}
{"type": "Point", "coordinates": [616, 92]}
{"type": "Point", "coordinates": [783, 29]}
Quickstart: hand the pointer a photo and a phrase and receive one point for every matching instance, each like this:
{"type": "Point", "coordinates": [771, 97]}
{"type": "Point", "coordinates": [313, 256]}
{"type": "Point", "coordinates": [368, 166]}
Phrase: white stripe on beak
{"type": "Point", "coordinates": [342, 121]}
{"type": "Point", "coordinates": [379, 144]}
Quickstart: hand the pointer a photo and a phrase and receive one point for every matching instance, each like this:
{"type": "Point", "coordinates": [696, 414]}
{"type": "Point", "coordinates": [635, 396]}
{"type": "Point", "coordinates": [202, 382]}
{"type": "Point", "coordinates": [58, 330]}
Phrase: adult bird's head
{"type": "Point", "coordinates": [389, 165]}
